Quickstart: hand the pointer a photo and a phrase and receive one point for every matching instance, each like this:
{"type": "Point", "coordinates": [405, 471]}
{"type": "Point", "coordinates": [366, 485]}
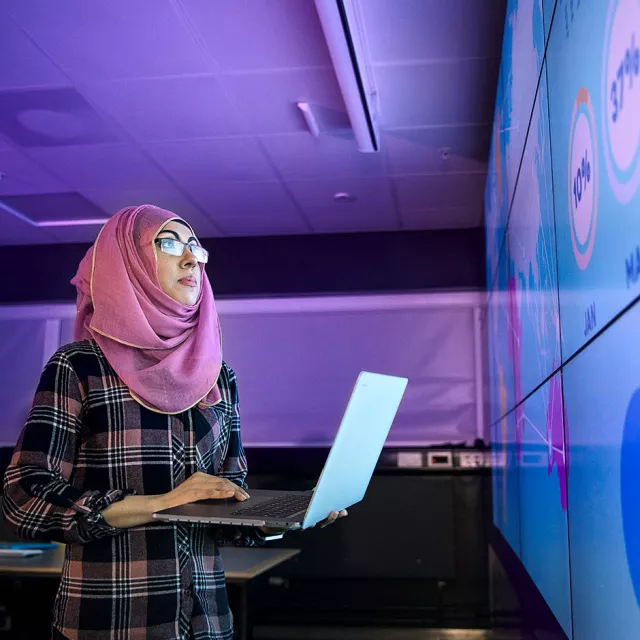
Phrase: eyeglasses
{"type": "Point", "coordinates": [176, 248]}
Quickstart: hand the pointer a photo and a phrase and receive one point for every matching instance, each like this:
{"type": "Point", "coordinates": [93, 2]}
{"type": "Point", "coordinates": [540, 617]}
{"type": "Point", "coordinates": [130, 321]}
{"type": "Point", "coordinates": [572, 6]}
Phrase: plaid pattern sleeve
{"type": "Point", "coordinates": [39, 503]}
{"type": "Point", "coordinates": [86, 443]}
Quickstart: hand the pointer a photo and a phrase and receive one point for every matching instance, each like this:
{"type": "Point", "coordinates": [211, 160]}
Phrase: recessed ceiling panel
{"type": "Point", "coordinates": [50, 207]}
{"type": "Point", "coordinates": [51, 117]}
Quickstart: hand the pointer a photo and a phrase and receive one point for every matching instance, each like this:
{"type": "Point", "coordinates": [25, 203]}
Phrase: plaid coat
{"type": "Point", "coordinates": [86, 444]}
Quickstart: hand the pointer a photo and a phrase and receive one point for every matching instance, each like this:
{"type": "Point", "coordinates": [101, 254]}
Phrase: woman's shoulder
{"type": "Point", "coordinates": [84, 356]}
{"type": "Point", "coordinates": [79, 349]}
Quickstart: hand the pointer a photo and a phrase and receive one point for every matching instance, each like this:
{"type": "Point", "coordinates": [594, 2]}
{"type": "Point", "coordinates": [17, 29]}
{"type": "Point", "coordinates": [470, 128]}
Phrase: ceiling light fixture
{"type": "Point", "coordinates": [342, 196]}
{"type": "Point", "coordinates": [16, 214]}
{"type": "Point", "coordinates": [343, 30]}
{"type": "Point", "coordinates": [309, 118]}
{"type": "Point", "coordinates": [73, 223]}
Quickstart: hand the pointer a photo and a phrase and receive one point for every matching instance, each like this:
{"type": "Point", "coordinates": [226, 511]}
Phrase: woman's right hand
{"type": "Point", "coordinates": [137, 510]}
{"type": "Point", "coordinates": [201, 486]}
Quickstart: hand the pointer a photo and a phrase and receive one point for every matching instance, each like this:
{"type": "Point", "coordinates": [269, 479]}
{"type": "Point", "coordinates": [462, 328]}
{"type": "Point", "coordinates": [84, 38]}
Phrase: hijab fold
{"type": "Point", "coordinates": [167, 353]}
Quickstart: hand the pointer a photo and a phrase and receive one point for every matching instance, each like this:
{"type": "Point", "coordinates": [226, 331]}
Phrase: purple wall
{"type": "Point", "coordinates": [286, 265]}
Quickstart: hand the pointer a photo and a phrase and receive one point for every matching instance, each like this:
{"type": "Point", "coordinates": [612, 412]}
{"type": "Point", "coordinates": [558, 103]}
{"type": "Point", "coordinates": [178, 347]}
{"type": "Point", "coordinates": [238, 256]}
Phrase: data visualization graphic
{"type": "Point", "coordinates": [532, 261]}
{"type": "Point", "coordinates": [593, 63]}
{"type": "Point", "coordinates": [602, 405]}
{"type": "Point", "coordinates": [522, 56]}
{"type": "Point", "coordinates": [506, 503]}
{"type": "Point", "coordinates": [543, 498]}
{"type": "Point", "coordinates": [563, 249]}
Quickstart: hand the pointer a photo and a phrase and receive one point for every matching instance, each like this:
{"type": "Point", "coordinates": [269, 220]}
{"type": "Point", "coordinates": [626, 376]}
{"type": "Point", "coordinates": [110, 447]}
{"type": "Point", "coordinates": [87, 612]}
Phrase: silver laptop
{"type": "Point", "coordinates": [344, 479]}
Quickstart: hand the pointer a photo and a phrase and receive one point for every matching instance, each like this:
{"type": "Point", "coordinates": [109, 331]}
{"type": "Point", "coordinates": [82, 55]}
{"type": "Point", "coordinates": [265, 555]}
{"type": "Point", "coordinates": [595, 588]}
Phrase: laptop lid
{"type": "Point", "coordinates": [357, 446]}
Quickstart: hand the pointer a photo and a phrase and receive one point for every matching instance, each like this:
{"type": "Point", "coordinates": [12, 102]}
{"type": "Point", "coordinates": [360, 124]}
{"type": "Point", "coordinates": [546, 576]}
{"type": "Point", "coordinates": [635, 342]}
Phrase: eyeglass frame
{"type": "Point", "coordinates": [191, 246]}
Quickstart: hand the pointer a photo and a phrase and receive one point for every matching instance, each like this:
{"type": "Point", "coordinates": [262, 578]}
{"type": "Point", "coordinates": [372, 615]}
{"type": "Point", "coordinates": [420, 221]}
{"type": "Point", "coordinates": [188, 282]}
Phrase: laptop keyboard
{"type": "Point", "coordinates": [279, 507]}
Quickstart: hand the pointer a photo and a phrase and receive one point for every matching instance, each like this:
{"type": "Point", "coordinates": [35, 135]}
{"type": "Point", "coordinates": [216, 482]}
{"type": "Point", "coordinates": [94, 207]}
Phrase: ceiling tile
{"type": "Point", "coordinates": [21, 175]}
{"type": "Point", "coordinates": [300, 156]}
{"type": "Point", "coordinates": [368, 192]}
{"type": "Point", "coordinates": [421, 150]}
{"type": "Point", "coordinates": [30, 66]}
{"type": "Point", "coordinates": [105, 39]}
{"type": "Point", "coordinates": [372, 202]}
{"type": "Point", "coordinates": [107, 166]}
{"type": "Point", "coordinates": [452, 92]}
{"type": "Point", "coordinates": [266, 201]}
{"type": "Point", "coordinates": [50, 207]}
{"type": "Point", "coordinates": [112, 201]}
{"type": "Point", "coordinates": [444, 191]}
{"type": "Point", "coordinates": [168, 108]}
{"type": "Point", "coordinates": [428, 29]}
{"type": "Point", "coordinates": [200, 162]}
{"type": "Point", "coordinates": [454, 218]}
{"type": "Point", "coordinates": [267, 101]}
{"type": "Point", "coordinates": [269, 34]}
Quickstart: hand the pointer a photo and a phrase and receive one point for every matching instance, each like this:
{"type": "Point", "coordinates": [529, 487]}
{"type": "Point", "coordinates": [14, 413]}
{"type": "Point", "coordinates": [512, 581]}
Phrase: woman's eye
{"type": "Point", "coordinates": [169, 243]}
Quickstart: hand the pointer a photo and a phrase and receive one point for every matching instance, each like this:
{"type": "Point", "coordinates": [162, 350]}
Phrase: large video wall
{"type": "Point", "coordinates": [562, 208]}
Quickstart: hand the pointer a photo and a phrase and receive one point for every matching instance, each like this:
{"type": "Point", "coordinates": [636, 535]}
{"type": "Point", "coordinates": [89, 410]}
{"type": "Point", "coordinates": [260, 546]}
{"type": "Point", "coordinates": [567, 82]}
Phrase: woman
{"type": "Point", "coordinates": [139, 414]}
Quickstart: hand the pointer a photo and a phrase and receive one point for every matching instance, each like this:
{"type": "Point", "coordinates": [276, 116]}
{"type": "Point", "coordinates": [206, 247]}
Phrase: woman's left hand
{"type": "Point", "coordinates": [330, 519]}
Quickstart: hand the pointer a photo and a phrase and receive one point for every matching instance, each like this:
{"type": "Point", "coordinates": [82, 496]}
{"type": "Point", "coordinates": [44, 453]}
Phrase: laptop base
{"type": "Point", "coordinates": [221, 511]}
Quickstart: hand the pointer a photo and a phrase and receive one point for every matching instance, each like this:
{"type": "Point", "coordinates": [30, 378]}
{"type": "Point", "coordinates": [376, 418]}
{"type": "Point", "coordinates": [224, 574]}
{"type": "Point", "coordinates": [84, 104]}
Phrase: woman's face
{"type": "Point", "coordinates": [180, 276]}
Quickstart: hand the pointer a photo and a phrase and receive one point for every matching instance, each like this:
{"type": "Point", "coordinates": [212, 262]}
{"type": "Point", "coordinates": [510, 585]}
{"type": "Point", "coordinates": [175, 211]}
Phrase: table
{"type": "Point", "coordinates": [241, 565]}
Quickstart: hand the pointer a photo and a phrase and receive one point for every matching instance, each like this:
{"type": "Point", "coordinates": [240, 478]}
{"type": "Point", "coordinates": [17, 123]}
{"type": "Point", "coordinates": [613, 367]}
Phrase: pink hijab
{"type": "Point", "coordinates": [167, 353]}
